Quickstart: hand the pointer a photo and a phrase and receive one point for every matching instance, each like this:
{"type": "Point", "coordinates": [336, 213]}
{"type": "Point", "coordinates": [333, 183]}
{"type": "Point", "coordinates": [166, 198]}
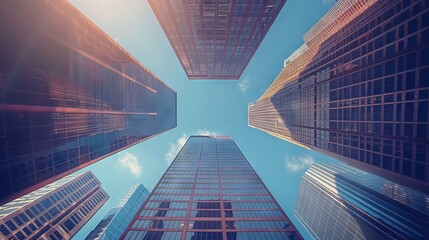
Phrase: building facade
{"type": "Point", "coordinates": [210, 191]}
{"type": "Point", "coordinates": [69, 96]}
{"type": "Point", "coordinates": [337, 201]}
{"type": "Point", "coordinates": [358, 90]}
{"type": "Point", "coordinates": [215, 39]}
{"type": "Point", "coordinates": [56, 211]}
{"type": "Point", "coordinates": [117, 219]}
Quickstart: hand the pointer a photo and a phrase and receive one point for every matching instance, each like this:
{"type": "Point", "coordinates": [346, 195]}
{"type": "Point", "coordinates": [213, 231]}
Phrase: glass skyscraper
{"type": "Point", "coordinates": [210, 191]}
{"type": "Point", "coordinates": [337, 201]}
{"type": "Point", "coordinates": [69, 95]}
{"type": "Point", "coordinates": [55, 211]}
{"type": "Point", "coordinates": [215, 39]}
{"type": "Point", "coordinates": [358, 90]}
{"type": "Point", "coordinates": [117, 219]}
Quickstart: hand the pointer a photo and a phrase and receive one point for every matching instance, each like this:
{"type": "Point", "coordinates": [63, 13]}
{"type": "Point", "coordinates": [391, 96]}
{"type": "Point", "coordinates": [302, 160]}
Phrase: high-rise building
{"type": "Point", "coordinates": [117, 219]}
{"type": "Point", "coordinates": [215, 39]}
{"type": "Point", "coordinates": [210, 191]}
{"type": "Point", "coordinates": [337, 201]}
{"type": "Point", "coordinates": [358, 91]}
{"type": "Point", "coordinates": [69, 95]}
{"type": "Point", "coordinates": [55, 211]}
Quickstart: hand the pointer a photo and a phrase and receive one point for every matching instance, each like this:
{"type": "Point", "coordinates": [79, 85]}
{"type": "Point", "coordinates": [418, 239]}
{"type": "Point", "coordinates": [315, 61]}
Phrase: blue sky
{"type": "Point", "coordinates": [218, 107]}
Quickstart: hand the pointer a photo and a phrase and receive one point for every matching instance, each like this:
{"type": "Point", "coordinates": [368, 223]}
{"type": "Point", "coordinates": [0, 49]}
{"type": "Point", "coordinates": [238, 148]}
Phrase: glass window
{"type": "Point", "coordinates": [378, 71]}
{"type": "Point", "coordinates": [411, 61]}
{"type": "Point", "coordinates": [69, 225]}
{"type": "Point", "coordinates": [29, 213]}
{"type": "Point", "coordinates": [388, 112]}
{"type": "Point", "coordinates": [27, 231]}
{"type": "Point", "coordinates": [4, 230]}
{"type": "Point", "coordinates": [420, 171]}
{"type": "Point", "coordinates": [32, 227]}
{"type": "Point", "coordinates": [377, 113]}
{"type": "Point", "coordinates": [388, 129]}
{"type": "Point", "coordinates": [424, 73]}
{"type": "Point", "coordinates": [387, 162]}
{"type": "Point", "coordinates": [408, 130]}
{"type": "Point", "coordinates": [11, 225]}
{"type": "Point", "coordinates": [376, 159]}
{"type": "Point", "coordinates": [54, 211]}
{"type": "Point", "coordinates": [20, 235]}
{"type": "Point", "coordinates": [410, 80]}
{"type": "Point", "coordinates": [18, 221]}
{"type": "Point", "coordinates": [409, 112]}
{"type": "Point", "coordinates": [390, 67]}
{"type": "Point", "coordinates": [422, 114]}
{"type": "Point", "coordinates": [422, 131]}
{"type": "Point", "coordinates": [406, 168]}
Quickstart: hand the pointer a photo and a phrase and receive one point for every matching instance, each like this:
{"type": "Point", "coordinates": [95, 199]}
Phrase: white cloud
{"type": "Point", "coordinates": [175, 147]}
{"type": "Point", "coordinates": [295, 164]}
{"type": "Point", "coordinates": [244, 85]}
{"type": "Point", "coordinates": [130, 163]}
{"type": "Point", "coordinates": [206, 132]}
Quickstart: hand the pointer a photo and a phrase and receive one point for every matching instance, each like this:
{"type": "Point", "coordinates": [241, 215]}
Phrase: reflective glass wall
{"type": "Point", "coordinates": [210, 191]}
{"type": "Point", "coordinates": [337, 201]}
{"type": "Point", "coordinates": [215, 39]}
{"type": "Point", "coordinates": [358, 90]}
{"type": "Point", "coordinates": [69, 95]}
{"type": "Point", "coordinates": [57, 211]}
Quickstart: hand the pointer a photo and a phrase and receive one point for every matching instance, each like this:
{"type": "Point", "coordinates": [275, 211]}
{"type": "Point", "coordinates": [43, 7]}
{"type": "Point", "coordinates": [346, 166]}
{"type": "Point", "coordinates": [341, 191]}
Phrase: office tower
{"type": "Point", "coordinates": [69, 96]}
{"type": "Point", "coordinates": [55, 211]}
{"type": "Point", "coordinates": [337, 201]}
{"type": "Point", "coordinates": [357, 90]}
{"type": "Point", "coordinates": [215, 39]}
{"type": "Point", "coordinates": [117, 219]}
{"type": "Point", "coordinates": [210, 191]}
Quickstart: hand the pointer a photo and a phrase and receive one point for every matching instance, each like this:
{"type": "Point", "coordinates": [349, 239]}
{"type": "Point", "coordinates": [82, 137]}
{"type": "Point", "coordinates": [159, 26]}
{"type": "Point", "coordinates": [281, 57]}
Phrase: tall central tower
{"type": "Point", "coordinates": [210, 191]}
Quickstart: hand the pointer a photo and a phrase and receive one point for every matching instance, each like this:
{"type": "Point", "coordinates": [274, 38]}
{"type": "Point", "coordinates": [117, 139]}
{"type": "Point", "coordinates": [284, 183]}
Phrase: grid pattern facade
{"type": "Point", "coordinates": [210, 191]}
{"type": "Point", "coordinates": [336, 201]}
{"type": "Point", "coordinates": [215, 39]}
{"type": "Point", "coordinates": [70, 95]}
{"type": "Point", "coordinates": [358, 91]}
{"type": "Point", "coordinates": [113, 225]}
{"type": "Point", "coordinates": [57, 211]}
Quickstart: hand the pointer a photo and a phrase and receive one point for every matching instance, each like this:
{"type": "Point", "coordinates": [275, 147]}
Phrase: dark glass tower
{"type": "Point", "coordinates": [69, 95]}
{"type": "Point", "coordinates": [358, 90]}
{"type": "Point", "coordinates": [210, 191]}
{"type": "Point", "coordinates": [215, 39]}
{"type": "Point", "coordinates": [337, 201]}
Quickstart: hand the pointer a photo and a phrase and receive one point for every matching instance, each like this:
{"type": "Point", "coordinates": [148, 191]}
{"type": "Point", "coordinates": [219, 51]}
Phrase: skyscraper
{"type": "Point", "coordinates": [215, 39]}
{"type": "Point", "coordinates": [117, 219]}
{"type": "Point", "coordinates": [69, 95]}
{"type": "Point", "coordinates": [357, 90]}
{"type": "Point", "coordinates": [337, 201]}
{"type": "Point", "coordinates": [55, 211]}
{"type": "Point", "coordinates": [210, 191]}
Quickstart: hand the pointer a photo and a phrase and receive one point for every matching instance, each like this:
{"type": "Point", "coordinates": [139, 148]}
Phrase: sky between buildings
{"type": "Point", "coordinates": [205, 107]}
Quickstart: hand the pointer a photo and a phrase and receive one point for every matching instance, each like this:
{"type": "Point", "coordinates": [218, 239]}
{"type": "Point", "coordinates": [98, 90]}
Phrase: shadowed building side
{"type": "Point", "coordinates": [69, 95]}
